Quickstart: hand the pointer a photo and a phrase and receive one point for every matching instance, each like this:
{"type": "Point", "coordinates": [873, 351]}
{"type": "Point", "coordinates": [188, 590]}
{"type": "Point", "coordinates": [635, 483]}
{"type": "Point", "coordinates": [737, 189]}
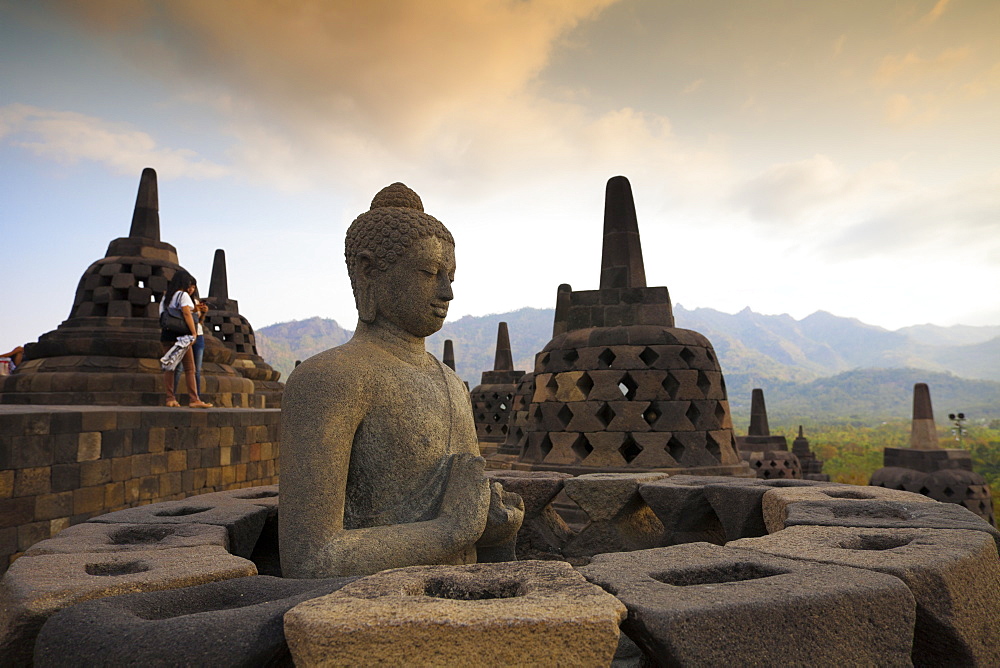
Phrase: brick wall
{"type": "Point", "coordinates": [61, 465]}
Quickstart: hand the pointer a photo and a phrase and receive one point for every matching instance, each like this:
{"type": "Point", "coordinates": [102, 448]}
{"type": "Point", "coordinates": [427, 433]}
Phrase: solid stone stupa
{"type": "Point", "coordinates": [619, 388]}
{"type": "Point", "coordinates": [812, 467]}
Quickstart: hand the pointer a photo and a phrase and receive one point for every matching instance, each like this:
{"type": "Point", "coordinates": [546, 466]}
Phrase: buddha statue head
{"type": "Point", "coordinates": [401, 262]}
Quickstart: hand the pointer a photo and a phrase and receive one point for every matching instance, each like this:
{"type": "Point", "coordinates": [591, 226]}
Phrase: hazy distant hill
{"type": "Point", "coordinates": [820, 366]}
{"type": "Point", "coordinates": [867, 394]}
{"type": "Point", "coordinates": [956, 335]}
{"type": "Point", "coordinates": [280, 345]}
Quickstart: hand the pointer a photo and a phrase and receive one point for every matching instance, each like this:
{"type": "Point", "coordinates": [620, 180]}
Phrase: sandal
{"type": "Point", "coordinates": [199, 404]}
{"type": "Point", "coordinates": [173, 403]}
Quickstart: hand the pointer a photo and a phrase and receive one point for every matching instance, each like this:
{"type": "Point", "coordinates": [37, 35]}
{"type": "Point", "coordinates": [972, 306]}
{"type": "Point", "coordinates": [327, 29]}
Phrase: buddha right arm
{"type": "Point", "coordinates": [317, 430]}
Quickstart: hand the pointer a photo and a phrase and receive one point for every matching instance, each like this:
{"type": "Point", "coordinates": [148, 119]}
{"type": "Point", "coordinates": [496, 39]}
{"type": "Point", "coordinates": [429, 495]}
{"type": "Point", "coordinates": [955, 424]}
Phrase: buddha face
{"type": "Point", "coordinates": [414, 292]}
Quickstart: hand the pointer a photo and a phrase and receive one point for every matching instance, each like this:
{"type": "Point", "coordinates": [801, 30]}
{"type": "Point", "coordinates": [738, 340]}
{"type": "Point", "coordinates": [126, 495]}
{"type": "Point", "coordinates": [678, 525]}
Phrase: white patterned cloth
{"type": "Point", "coordinates": [173, 357]}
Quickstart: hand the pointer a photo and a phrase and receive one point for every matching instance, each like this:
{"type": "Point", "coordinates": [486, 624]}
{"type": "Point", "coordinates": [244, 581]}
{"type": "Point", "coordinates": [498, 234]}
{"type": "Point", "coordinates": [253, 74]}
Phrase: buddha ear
{"type": "Point", "coordinates": [365, 298]}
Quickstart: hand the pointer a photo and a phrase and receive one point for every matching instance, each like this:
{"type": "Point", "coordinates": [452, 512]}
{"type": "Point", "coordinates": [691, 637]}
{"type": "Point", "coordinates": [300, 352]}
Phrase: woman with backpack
{"type": "Point", "coordinates": [177, 301]}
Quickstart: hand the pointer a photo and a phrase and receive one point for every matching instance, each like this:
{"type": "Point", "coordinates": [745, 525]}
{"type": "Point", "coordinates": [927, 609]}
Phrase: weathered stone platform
{"type": "Point", "coordinates": [891, 595]}
{"type": "Point", "coordinates": [62, 465]}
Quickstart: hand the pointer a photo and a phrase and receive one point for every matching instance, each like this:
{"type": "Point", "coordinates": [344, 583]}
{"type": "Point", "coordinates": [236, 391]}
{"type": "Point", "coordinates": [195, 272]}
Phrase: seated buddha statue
{"type": "Point", "coordinates": [380, 464]}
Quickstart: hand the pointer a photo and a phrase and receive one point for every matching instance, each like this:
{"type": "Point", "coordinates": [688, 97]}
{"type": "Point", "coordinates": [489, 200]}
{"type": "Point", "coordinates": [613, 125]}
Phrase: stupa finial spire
{"type": "Point", "coordinates": [503, 361]}
{"type": "Point", "coordinates": [449, 354]}
{"type": "Point", "coordinates": [758, 414]}
{"type": "Point", "coordinates": [218, 288]}
{"type": "Point", "coordinates": [146, 215]}
{"type": "Point", "coordinates": [923, 431]}
{"type": "Point", "coordinates": [621, 259]}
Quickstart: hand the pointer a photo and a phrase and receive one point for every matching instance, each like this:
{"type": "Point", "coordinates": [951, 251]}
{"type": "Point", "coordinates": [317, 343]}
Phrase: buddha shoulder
{"type": "Point", "coordinates": [344, 371]}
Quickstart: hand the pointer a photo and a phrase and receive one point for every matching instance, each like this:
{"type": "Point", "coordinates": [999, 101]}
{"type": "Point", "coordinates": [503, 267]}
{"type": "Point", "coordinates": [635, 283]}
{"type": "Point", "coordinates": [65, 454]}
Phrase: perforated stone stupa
{"type": "Point", "coordinates": [766, 454]}
{"type": "Point", "coordinates": [107, 351]}
{"type": "Point", "coordinates": [943, 474]}
{"type": "Point", "coordinates": [224, 322]}
{"type": "Point", "coordinates": [619, 387]}
{"type": "Point", "coordinates": [493, 398]}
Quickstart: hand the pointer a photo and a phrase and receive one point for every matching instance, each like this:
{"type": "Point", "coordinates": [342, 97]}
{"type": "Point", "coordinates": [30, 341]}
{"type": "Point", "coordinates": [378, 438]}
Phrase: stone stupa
{"type": "Point", "coordinates": [943, 474]}
{"type": "Point", "coordinates": [766, 453]}
{"type": "Point", "coordinates": [812, 467]}
{"type": "Point", "coordinates": [107, 351]}
{"type": "Point", "coordinates": [493, 398]}
{"type": "Point", "coordinates": [448, 358]}
{"type": "Point", "coordinates": [619, 388]}
{"type": "Point", "coordinates": [224, 322]}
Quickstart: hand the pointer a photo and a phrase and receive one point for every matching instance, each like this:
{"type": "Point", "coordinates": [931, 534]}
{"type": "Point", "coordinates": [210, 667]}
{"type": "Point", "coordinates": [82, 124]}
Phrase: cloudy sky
{"type": "Point", "coordinates": [785, 155]}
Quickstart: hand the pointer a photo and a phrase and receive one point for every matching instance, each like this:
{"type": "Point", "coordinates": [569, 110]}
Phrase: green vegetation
{"type": "Point", "coordinates": [852, 452]}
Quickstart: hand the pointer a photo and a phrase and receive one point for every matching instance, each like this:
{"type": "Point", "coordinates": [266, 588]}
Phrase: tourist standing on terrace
{"type": "Point", "coordinates": [177, 298]}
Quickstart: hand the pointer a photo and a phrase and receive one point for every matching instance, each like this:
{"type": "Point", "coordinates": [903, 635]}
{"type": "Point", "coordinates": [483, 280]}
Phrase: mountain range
{"type": "Point", "coordinates": [820, 367]}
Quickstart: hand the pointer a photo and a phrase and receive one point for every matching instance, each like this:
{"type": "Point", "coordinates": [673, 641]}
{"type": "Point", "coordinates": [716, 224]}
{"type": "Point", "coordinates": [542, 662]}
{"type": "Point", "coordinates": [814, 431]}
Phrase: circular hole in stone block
{"type": "Point", "coordinates": [266, 494]}
{"type": "Point", "coordinates": [472, 591]}
{"type": "Point", "coordinates": [141, 535]}
{"type": "Point", "coordinates": [875, 542]}
{"type": "Point", "coordinates": [847, 494]}
{"type": "Point", "coordinates": [180, 512]}
{"type": "Point", "coordinates": [880, 512]}
{"type": "Point", "coordinates": [717, 574]}
{"type": "Point", "coordinates": [792, 482]}
{"type": "Point", "coordinates": [111, 569]}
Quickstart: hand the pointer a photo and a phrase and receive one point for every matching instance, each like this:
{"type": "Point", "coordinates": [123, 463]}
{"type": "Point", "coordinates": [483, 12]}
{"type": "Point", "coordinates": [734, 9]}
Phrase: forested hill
{"type": "Point", "coordinates": [821, 366]}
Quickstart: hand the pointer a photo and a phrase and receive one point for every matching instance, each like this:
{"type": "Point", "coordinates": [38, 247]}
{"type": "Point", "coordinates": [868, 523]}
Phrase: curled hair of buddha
{"type": "Point", "coordinates": [396, 219]}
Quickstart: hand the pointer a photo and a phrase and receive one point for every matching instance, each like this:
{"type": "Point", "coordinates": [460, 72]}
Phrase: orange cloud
{"type": "Point", "coordinates": [393, 67]}
{"type": "Point", "coordinates": [913, 67]}
{"type": "Point", "coordinates": [935, 12]}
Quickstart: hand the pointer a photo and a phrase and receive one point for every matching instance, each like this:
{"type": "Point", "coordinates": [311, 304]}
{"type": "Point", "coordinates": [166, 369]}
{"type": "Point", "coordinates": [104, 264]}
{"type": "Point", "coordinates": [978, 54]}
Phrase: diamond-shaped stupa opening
{"type": "Point", "coordinates": [582, 447]}
{"type": "Point", "coordinates": [713, 446]}
{"type": "Point", "coordinates": [675, 448]}
{"type": "Point", "coordinates": [629, 449]}
{"type": "Point", "coordinates": [628, 386]}
{"type": "Point", "coordinates": [692, 413]}
{"type": "Point", "coordinates": [648, 356]}
{"type": "Point", "coordinates": [704, 384]}
{"type": "Point", "coordinates": [671, 385]}
{"type": "Point", "coordinates": [687, 355]}
{"type": "Point", "coordinates": [585, 383]}
{"type": "Point", "coordinates": [565, 415]}
{"type": "Point", "coordinates": [605, 414]}
{"type": "Point", "coordinates": [545, 446]}
{"type": "Point", "coordinates": [606, 358]}
{"type": "Point", "coordinates": [651, 415]}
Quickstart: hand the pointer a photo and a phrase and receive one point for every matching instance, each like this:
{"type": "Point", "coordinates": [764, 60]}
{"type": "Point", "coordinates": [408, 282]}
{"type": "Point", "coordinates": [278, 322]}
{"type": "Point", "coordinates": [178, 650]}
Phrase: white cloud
{"type": "Point", "coordinates": [68, 137]}
{"type": "Point", "coordinates": [811, 191]}
{"type": "Point", "coordinates": [960, 221]}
